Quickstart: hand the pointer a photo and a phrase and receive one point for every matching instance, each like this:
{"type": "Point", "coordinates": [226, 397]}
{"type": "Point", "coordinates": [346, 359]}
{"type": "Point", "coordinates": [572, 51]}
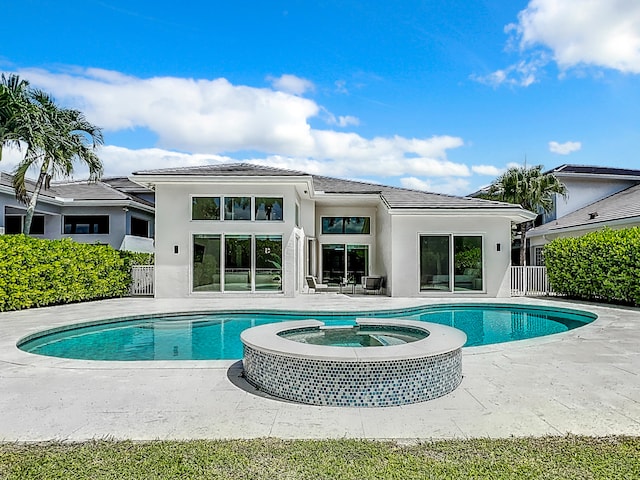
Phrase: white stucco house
{"type": "Point", "coordinates": [597, 197]}
{"type": "Point", "coordinates": [240, 228]}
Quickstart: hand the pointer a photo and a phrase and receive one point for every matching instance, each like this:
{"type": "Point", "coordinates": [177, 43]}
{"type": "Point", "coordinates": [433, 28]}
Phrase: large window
{"type": "Point", "coordinates": [340, 261]}
{"type": "Point", "coordinates": [14, 224]}
{"type": "Point", "coordinates": [205, 208]}
{"type": "Point", "coordinates": [86, 224]}
{"type": "Point", "coordinates": [268, 208]}
{"type": "Point", "coordinates": [251, 263]}
{"type": "Point", "coordinates": [440, 255]}
{"type": "Point", "coordinates": [346, 225]}
{"type": "Point", "coordinates": [237, 208]}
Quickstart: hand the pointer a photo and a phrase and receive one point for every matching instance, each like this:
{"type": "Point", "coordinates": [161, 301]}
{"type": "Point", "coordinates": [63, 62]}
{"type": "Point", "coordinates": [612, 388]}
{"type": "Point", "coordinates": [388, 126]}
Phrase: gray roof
{"type": "Point", "coordinates": [395, 197]}
{"type": "Point", "coordinates": [77, 190]}
{"type": "Point", "coordinates": [620, 206]}
{"type": "Point", "coordinates": [592, 170]}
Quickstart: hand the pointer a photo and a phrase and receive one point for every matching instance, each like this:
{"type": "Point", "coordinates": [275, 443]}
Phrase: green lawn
{"type": "Point", "coordinates": [569, 457]}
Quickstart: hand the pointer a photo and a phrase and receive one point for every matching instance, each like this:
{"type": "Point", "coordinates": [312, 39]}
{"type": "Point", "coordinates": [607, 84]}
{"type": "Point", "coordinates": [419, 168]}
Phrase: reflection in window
{"type": "Point", "coordinates": [468, 263]}
{"type": "Point", "coordinates": [346, 225]}
{"type": "Point", "coordinates": [205, 208]}
{"type": "Point", "coordinates": [237, 266]}
{"type": "Point", "coordinates": [237, 208]}
{"type": "Point", "coordinates": [206, 263]}
{"type": "Point", "coordinates": [268, 208]}
{"type": "Point", "coordinates": [86, 224]}
{"type": "Point", "coordinates": [268, 262]}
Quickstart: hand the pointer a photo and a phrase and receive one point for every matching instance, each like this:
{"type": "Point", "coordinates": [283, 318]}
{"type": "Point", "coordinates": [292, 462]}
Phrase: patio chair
{"type": "Point", "coordinates": [372, 284]}
{"type": "Point", "coordinates": [313, 284]}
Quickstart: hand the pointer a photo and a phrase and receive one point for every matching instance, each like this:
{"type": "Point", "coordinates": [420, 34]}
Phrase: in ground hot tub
{"type": "Point", "coordinates": [380, 362]}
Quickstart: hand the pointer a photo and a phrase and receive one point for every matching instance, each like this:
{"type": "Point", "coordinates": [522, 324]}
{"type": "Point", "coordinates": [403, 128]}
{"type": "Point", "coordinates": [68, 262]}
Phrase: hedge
{"type": "Point", "coordinates": [35, 272]}
{"type": "Point", "coordinates": [602, 265]}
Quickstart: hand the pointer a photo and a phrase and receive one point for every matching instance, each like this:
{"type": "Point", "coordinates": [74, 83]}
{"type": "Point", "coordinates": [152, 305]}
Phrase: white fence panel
{"type": "Point", "coordinates": [530, 281]}
{"type": "Point", "coordinates": [142, 279]}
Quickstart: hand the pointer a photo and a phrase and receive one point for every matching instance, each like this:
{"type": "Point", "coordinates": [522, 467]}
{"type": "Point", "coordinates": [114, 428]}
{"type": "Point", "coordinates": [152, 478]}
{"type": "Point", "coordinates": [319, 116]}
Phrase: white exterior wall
{"type": "Point", "coordinates": [583, 192]}
{"type": "Point", "coordinates": [405, 244]}
{"type": "Point", "coordinates": [174, 227]}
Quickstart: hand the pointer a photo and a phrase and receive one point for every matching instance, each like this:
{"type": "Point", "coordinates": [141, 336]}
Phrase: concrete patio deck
{"type": "Point", "coordinates": [585, 381]}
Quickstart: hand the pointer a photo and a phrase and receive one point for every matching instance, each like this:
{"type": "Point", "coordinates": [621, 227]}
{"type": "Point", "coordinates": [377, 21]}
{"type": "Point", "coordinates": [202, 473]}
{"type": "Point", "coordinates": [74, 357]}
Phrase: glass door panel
{"type": "Point", "coordinates": [206, 263]}
{"type": "Point", "coordinates": [268, 263]}
{"type": "Point", "coordinates": [237, 268]}
{"type": "Point", "coordinates": [357, 262]}
{"type": "Point", "coordinates": [467, 263]}
{"type": "Point", "coordinates": [333, 263]}
{"type": "Point", "coordinates": [434, 263]}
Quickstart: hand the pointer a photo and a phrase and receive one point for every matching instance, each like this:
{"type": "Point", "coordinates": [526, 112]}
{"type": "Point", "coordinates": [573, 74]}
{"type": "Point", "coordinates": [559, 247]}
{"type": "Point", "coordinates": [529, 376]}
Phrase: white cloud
{"type": "Point", "coordinates": [214, 118]}
{"type": "Point", "coordinates": [450, 186]}
{"type": "Point", "coordinates": [488, 170]}
{"type": "Point", "coordinates": [564, 148]}
{"type": "Point", "coordinates": [602, 33]}
{"type": "Point", "coordinates": [291, 84]}
{"type": "Point", "coordinates": [573, 34]}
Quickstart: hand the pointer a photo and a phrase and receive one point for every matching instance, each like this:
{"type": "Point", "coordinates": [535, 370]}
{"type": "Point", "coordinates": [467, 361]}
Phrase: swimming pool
{"type": "Point", "coordinates": [216, 335]}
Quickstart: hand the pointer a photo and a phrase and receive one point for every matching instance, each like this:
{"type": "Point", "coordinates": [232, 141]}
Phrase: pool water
{"type": "Point", "coordinates": [216, 336]}
{"type": "Point", "coordinates": [354, 337]}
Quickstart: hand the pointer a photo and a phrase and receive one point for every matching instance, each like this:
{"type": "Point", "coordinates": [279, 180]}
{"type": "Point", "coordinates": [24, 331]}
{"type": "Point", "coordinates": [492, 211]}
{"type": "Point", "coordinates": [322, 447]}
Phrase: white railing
{"type": "Point", "coordinates": [142, 280]}
{"type": "Point", "coordinates": [530, 281]}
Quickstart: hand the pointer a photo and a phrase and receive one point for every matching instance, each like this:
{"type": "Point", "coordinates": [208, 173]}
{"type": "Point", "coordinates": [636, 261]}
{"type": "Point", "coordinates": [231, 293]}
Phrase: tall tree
{"type": "Point", "coordinates": [56, 139]}
{"type": "Point", "coordinates": [63, 137]}
{"type": "Point", "coordinates": [15, 108]}
{"type": "Point", "coordinates": [530, 188]}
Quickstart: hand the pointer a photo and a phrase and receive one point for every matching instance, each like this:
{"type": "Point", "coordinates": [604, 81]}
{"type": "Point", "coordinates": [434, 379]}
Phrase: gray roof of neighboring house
{"type": "Point", "coordinates": [395, 197]}
{"type": "Point", "coordinates": [77, 190]}
{"type": "Point", "coordinates": [591, 170]}
{"type": "Point", "coordinates": [614, 208]}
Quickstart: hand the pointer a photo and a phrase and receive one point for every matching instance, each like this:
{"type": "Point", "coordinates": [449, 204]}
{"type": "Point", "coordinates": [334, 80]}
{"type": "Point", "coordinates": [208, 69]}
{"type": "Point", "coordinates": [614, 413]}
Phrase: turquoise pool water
{"type": "Point", "coordinates": [216, 336]}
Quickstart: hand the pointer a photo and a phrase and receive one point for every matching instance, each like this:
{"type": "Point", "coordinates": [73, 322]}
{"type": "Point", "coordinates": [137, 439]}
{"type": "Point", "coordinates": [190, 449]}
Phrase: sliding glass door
{"type": "Point", "coordinates": [451, 262]}
{"type": "Point", "coordinates": [237, 263]}
{"type": "Point", "coordinates": [340, 261]}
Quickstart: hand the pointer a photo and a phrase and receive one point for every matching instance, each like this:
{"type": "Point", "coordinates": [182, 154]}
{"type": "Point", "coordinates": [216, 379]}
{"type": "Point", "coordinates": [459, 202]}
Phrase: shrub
{"type": "Point", "coordinates": [36, 272]}
{"type": "Point", "coordinates": [602, 265]}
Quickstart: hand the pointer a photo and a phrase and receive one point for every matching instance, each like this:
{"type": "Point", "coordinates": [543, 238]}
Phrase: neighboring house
{"type": "Point", "coordinates": [595, 198]}
{"type": "Point", "coordinates": [112, 211]}
{"type": "Point", "coordinates": [244, 228]}
{"type": "Point", "coordinates": [620, 210]}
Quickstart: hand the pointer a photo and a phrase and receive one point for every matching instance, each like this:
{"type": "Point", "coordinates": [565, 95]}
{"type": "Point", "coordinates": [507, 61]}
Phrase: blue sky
{"type": "Point", "coordinates": [434, 95]}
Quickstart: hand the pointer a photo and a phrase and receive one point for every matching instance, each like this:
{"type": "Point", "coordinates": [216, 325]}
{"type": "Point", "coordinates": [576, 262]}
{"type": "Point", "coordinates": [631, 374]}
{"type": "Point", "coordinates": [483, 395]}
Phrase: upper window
{"type": "Point", "coordinates": [346, 225]}
{"type": "Point", "coordinates": [205, 208]}
{"type": "Point", "coordinates": [14, 224]}
{"type": "Point", "coordinates": [86, 224]}
{"type": "Point", "coordinates": [268, 208]}
{"type": "Point", "coordinates": [237, 208]}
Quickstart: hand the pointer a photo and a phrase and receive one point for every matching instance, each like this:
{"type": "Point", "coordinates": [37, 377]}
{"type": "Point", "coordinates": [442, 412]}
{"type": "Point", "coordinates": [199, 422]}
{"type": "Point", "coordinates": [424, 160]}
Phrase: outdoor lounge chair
{"type": "Point", "coordinates": [313, 284]}
{"type": "Point", "coordinates": [372, 284]}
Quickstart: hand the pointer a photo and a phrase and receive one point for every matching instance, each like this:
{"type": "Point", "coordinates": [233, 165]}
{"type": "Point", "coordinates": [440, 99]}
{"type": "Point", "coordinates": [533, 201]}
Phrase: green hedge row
{"type": "Point", "coordinates": [603, 265]}
{"type": "Point", "coordinates": [35, 272]}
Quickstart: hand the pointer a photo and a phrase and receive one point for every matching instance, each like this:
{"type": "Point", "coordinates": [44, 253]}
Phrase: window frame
{"type": "Point", "coordinates": [75, 232]}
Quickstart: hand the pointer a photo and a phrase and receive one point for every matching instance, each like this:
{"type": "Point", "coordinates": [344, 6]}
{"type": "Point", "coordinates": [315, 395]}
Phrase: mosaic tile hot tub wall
{"type": "Point", "coordinates": [354, 384]}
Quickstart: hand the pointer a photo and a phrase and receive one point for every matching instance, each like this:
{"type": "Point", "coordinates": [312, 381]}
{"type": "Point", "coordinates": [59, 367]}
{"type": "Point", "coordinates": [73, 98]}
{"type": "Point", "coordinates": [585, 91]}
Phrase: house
{"type": "Point", "coordinates": [242, 228]}
{"type": "Point", "coordinates": [113, 211]}
{"type": "Point", "coordinates": [620, 210]}
{"type": "Point", "coordinates": [595, 198]}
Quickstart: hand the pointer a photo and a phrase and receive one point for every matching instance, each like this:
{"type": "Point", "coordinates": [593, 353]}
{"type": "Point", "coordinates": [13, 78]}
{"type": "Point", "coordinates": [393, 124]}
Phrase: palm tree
{"type": "Point", "coordinates": [15, 108]}
{"type": "Point", "coordinates": [530, 188]}
{"type": "Point", "coordinates": [58, 138]}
